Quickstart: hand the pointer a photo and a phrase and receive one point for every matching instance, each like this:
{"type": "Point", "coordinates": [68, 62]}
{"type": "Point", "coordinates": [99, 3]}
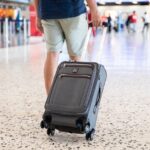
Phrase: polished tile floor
{"type": "Point", "coordinates": [124, 115]}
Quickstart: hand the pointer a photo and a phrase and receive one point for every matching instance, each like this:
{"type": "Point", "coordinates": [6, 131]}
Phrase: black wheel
{"type": "Point", "coordinates": [90, 135]}
{"type": "Point", "coordinates": [42, 125]}
{"type": "Point", "coordinates": [51, 132]}
{"type": "Point", "coordinates": [87, 136]}
{"type": "Point", "coordinates": [87, 128]}
{"type": "Point", "coordinates": [48, 132]}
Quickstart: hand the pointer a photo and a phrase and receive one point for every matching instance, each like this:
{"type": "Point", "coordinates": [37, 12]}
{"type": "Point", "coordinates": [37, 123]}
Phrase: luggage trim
{"type": "Point", "coordinates": [75, 75]}
{"type": "Point", "coordinates": [79, 65]}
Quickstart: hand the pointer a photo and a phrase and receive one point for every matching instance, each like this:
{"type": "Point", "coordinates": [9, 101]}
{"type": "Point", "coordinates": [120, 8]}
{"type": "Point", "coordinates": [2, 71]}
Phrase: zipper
{"type": "Point", "coordinates": [75, 76]}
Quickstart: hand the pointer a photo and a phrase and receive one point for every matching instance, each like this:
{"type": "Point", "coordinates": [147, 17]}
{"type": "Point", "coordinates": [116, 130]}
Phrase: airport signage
{"type": "Point", "coordinates": [19, 1]}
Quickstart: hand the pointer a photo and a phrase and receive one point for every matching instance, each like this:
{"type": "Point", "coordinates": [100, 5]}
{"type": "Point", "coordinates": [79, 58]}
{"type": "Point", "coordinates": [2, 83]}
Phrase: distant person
{"type": "Point", "coordinates": [2, 20]}
{"type": "Point", "coordinates": [133, 21]}
{"type": "Point", "coordinates": [17, 21]}
{"type": "Point", "coordinates": [128, 22]}
{"type": "Point", "coordinates": [109, 23]}
{"type": "Point", "coordinates": [146, 21]}
{"type": "Point", "coordinates": [116, 24]}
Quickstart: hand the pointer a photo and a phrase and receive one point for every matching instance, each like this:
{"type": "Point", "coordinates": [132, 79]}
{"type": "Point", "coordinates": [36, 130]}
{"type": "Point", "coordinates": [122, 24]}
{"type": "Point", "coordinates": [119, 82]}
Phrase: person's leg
{"type": "Point", "coordinates": [148, 25]}
{"type": "Point", "coordinates": [130, 27]}
{"type": "Point", "coordinates": [145, 27]}
{"type": "Point", "coordinates": [75, 58]}
{"type": "Point", "coordinates": [75, 30]}
{"type": "Point", "coordinates": [54, 41]}
{"type": "Point", "coordinates": [134, 27]}
{"type": "Point", "coordinates": [50, 69]}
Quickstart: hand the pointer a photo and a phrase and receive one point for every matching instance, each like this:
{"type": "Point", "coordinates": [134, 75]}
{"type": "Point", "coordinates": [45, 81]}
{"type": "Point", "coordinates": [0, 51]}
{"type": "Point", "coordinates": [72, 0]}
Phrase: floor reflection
{"type": "Point", "coordinates": [119, 51]}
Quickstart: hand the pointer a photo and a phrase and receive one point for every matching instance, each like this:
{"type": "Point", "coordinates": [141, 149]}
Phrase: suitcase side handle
{"type": "Point", "coordinates": [97, 101]}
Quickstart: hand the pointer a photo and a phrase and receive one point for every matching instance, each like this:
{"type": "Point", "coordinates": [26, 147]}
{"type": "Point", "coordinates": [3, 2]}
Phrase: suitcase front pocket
{"type": "Point", "coordinates": [69, 93]}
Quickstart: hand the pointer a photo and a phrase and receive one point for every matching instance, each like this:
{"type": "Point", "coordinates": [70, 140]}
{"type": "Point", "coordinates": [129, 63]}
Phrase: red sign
{"type": "Point", "coordinates": [34, 30]}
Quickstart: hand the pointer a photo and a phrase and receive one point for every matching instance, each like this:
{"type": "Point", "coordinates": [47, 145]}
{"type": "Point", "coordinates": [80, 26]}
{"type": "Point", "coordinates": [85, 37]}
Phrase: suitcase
{"type": "Point", "coordinates": [72, 105]}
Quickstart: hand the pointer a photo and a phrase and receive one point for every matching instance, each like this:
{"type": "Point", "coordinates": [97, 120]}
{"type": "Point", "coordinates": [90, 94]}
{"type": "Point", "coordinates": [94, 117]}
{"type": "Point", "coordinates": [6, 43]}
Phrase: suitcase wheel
{"type": "Point", "coordinates": [42, 124]}
{"type": "Point", "coordinates": [87, 128]}
{"type": "Point", "coordinates": [51, 132]}
{"type": "Point", "coordinates": [90, 135]}
{"type": "Point", "coordinates": [79, 126]}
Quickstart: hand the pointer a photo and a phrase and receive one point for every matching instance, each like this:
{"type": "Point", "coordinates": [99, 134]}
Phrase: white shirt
{"type": "Point", "coordinates": [147, 18]}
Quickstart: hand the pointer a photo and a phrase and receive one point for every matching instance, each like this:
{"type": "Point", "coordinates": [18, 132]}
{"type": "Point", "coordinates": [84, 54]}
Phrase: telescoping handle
{"type": "Point", "coordinates": [86, 43]}
{"type": "Point", "coordinates": [100, 45]}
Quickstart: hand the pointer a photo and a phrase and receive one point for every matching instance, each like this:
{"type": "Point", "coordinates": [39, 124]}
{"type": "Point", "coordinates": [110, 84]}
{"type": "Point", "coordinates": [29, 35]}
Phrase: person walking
{"type": "Point", "coordinates": [63, 20]}
{"type": "Point", "coordinates": [109, 23]}
{"type": "Point", "coordinates": [133, 21]}
{"type": "Point", "coordinates": [128, 22]}
{"type": "Point", "coordinates": [146, 21]}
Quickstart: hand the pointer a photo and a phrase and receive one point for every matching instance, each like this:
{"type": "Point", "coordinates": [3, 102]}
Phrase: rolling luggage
{"type": "Point", "coordinates": [72, 105]}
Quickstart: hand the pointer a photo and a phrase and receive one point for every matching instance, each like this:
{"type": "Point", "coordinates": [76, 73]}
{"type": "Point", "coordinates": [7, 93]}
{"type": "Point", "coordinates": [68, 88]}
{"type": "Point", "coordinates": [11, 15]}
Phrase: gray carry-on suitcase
{"type": "Point", "coordinates": [72, 105]}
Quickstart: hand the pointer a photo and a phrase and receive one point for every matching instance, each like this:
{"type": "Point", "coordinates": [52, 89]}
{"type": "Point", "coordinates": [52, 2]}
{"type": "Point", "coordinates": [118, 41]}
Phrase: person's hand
{"type": "Point", "coordinates": [39, 25]}
{"type": "Point", "coordinates": [96, 19]}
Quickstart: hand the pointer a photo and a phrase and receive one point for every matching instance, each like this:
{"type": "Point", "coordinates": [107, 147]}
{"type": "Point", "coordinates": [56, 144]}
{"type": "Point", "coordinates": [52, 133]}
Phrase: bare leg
{"type": "Point", "coordinates": [50, 67]}
{"type": "Point", "coordinates": [75, 58]}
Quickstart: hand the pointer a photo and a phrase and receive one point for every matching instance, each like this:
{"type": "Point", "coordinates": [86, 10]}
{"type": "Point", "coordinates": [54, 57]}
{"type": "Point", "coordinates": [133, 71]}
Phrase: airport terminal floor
{"type": "Point", "coordinates": [124, 114]}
